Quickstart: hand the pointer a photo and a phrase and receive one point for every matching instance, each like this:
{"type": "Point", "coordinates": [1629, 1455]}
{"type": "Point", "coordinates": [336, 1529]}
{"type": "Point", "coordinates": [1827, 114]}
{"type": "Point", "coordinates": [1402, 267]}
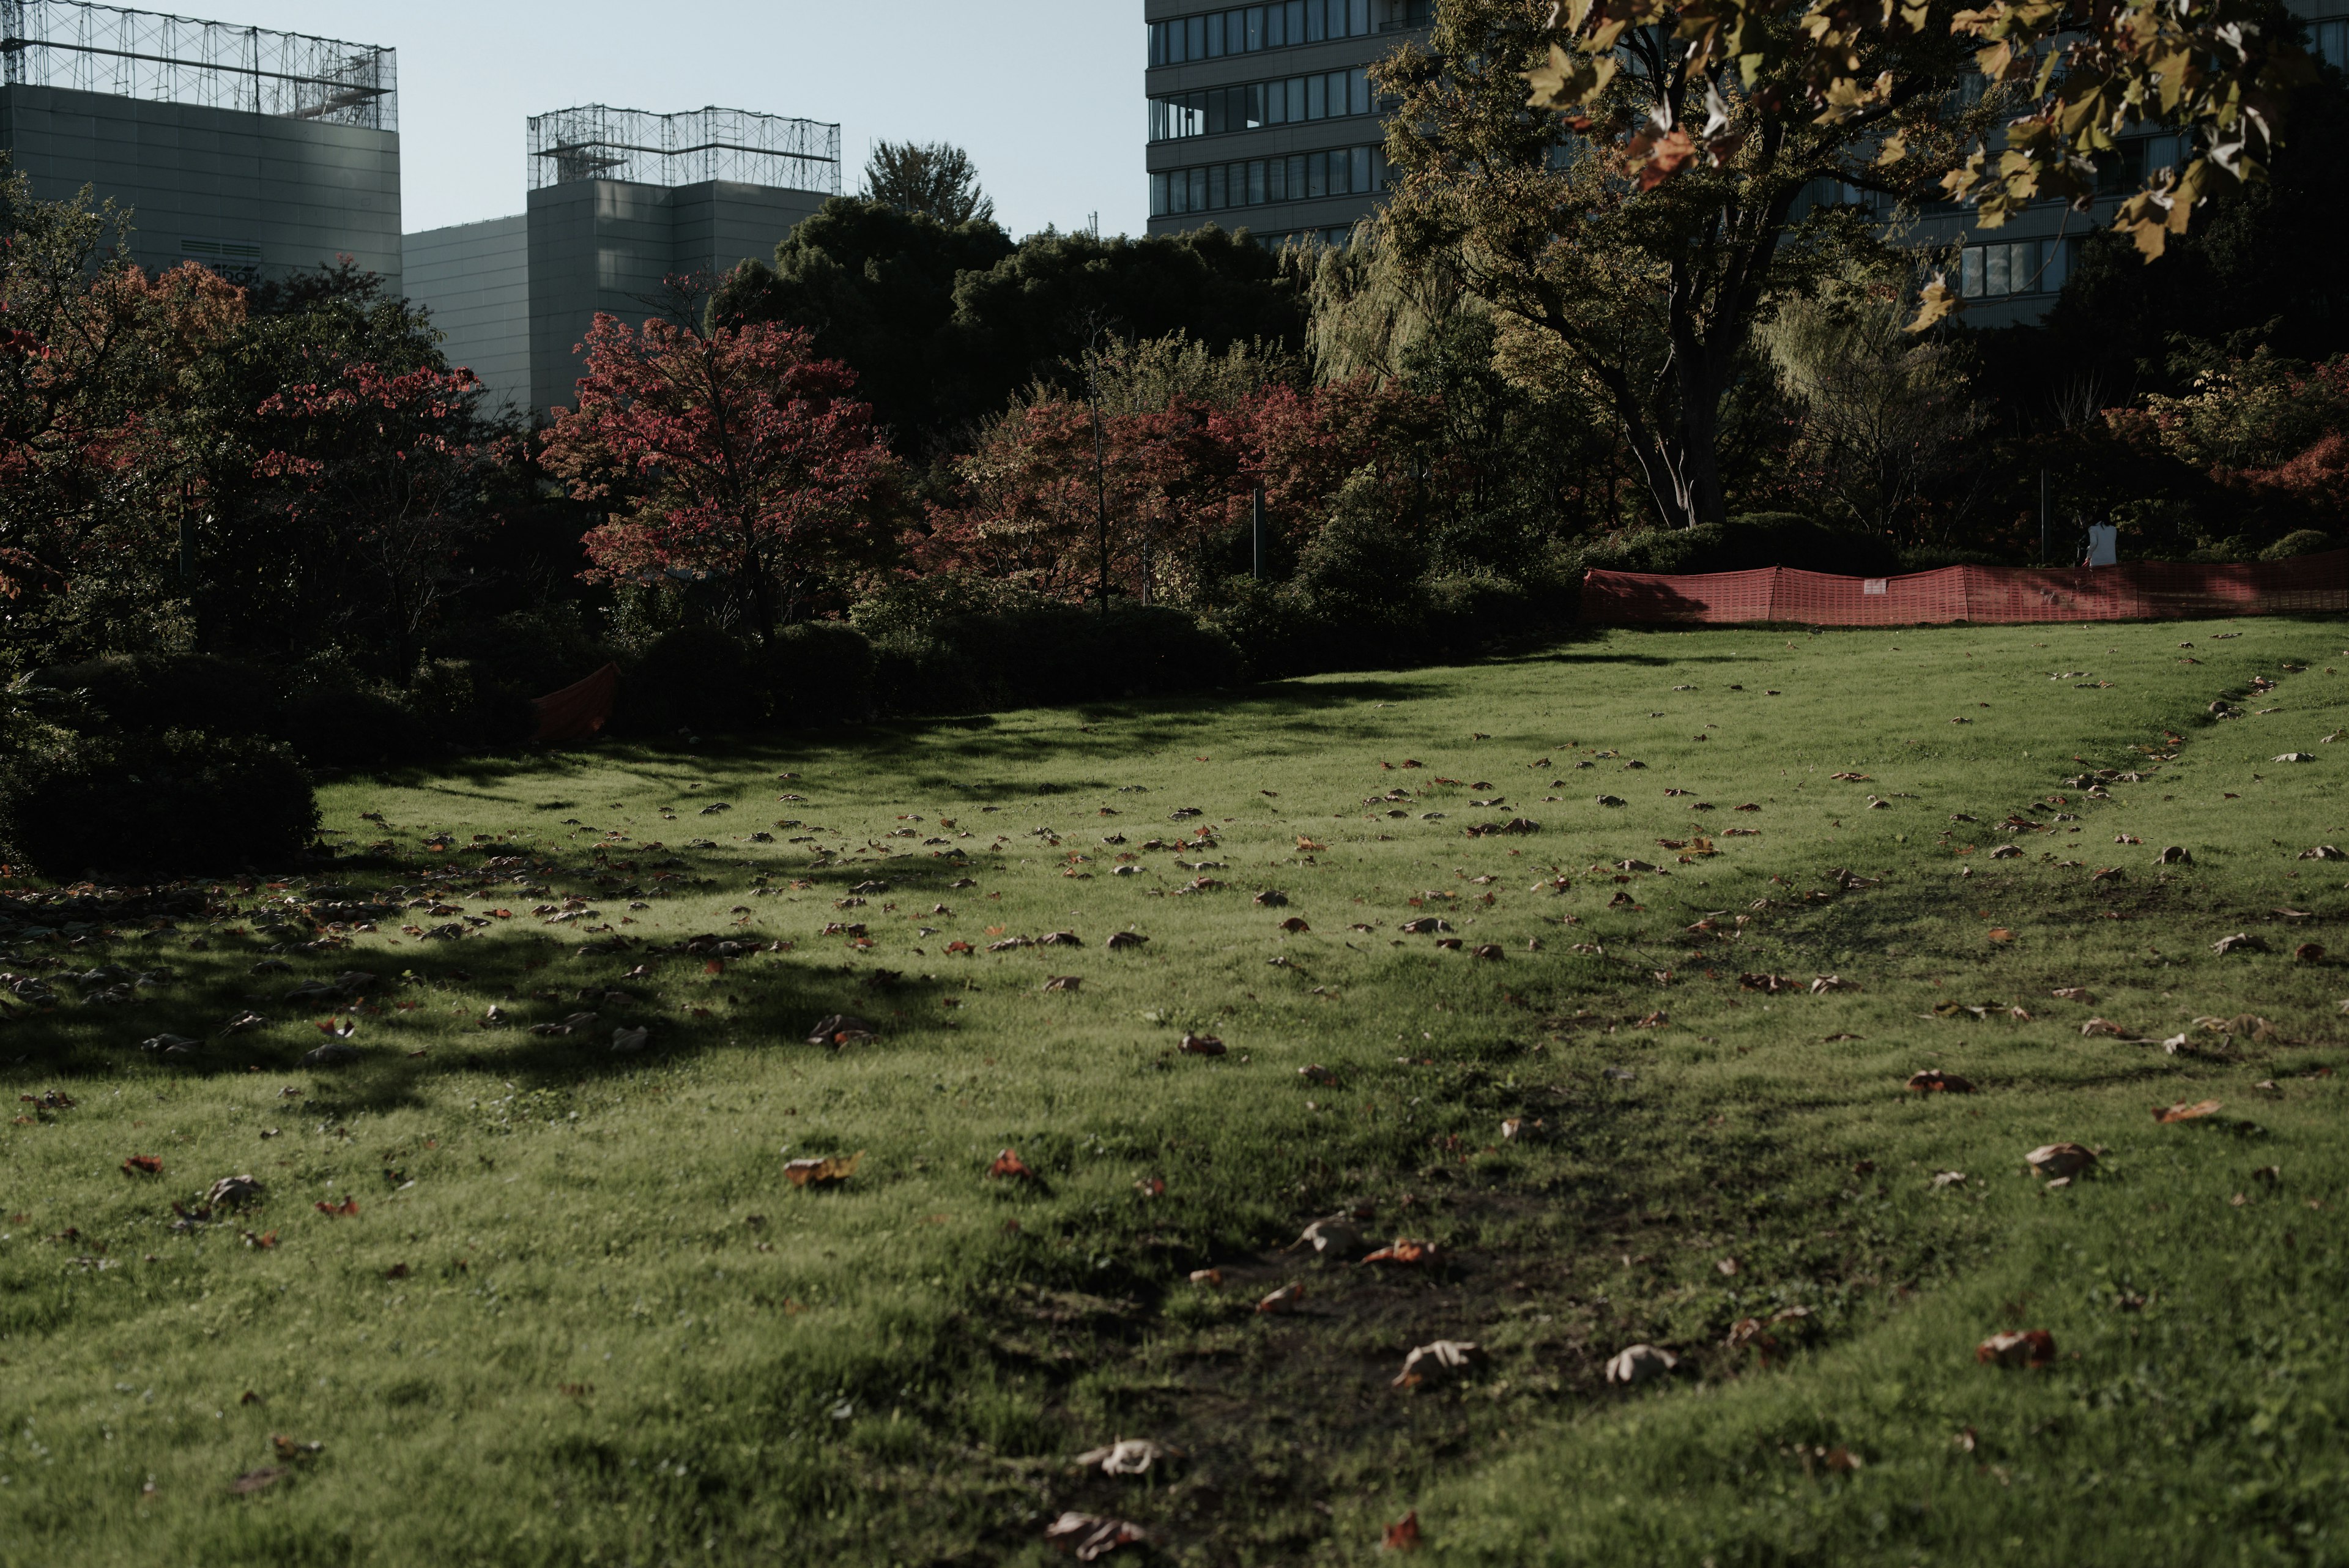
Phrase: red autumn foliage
{"type": "Point", "coordinates": [735, 455]}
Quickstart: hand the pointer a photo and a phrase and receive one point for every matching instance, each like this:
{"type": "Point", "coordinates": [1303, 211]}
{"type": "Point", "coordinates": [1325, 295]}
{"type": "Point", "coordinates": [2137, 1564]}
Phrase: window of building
{"type": "Point", "coordinates": [1253, 182]}
{"type": "Point", "coordinates": [2331, 40]}
{"type": "Point", "coordinates": [1213, 112]}
{"type": "Point", "coordinates": [2013, 267]}
{"type": "Point", "coordinates": [1246, 29]}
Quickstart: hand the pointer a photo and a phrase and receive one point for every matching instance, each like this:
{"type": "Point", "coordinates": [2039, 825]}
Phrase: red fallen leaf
{"type": "Point", "coordinates": [958, 947]}
{"type": "Point", "coordinates": [347, 1209]}
{"type": "Point", "coordinates": [715, 966]}
{"type": "Point", "coordinates": [1152, 1186]}
{"type": "Point", "coordinates": [1202, 1045]}
{"type": "Point", "coordinates": [1402, 1535]}
{"type": "Point", "coordinates": [258, 1480]}
{"type": "Point", "coordinates": [1010, 1166]}
{"type": "Point", "coordinates": [1206, 1276]}
{"type": "Point", "coordinates": [260, 1244]}
{"type": "Point", "coordinates": [1294, 925]}
{"type": "Point", "coordinates": [2035, 1348]}
{"type": "Point", "coordinates": [1933, 1081]}
{"type": "Point", "coordinates": [2000, 934]}
{"type": "Point", "coordinates": [2183, 1112]}
{"type": "Point", "coordinates": [1283, 1300]}
{"type": "Point", "coordinates": [1404, 1251]}
{"type": "Point", "coordinates": [142, 1165]}
{"type": "Point", "coordinates": [826, 1172]}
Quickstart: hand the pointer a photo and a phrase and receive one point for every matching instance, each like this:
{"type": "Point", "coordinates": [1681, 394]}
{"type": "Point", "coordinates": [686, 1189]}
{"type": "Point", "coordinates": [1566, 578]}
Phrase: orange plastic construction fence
{"type": "Point", "coordinates": [2139, 590]}
{"type": "Point", "coordinates": [578, 712]}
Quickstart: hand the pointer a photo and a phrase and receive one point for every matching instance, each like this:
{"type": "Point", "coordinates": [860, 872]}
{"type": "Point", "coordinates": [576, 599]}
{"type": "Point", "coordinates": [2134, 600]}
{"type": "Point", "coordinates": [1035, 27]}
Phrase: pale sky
{"type": "Point", "coordinates": [1046, 95]}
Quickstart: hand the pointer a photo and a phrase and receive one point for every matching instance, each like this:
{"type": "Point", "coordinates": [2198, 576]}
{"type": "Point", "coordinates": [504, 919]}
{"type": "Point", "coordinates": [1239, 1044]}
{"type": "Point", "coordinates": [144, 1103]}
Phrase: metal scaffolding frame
{"type": "Point", "coordinates": [598, 142]}
{"type": "Point", "coordinates": [178, 60]}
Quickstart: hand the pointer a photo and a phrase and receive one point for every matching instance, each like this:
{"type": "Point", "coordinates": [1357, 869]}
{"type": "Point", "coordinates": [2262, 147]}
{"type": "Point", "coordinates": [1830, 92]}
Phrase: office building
{"type": "Point", "coordinates": [1261, 116]}
{"type": "Point", "coordinates": [257, 153]}
{"type": "Point", "coordinates": [620, 200]}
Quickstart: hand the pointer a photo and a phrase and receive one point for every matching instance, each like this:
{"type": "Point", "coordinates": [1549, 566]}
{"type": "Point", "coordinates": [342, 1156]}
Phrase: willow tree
{"type": "Point", "coordinates": [1679, 170]}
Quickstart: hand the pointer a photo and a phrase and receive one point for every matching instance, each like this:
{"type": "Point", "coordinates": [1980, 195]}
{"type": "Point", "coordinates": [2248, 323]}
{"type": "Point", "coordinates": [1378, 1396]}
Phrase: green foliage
{"type": "Point", "coordinates": [2300, 541]}
{"type": "Point", "coordinates": [181, 803]}
{"type": "Point", "coordinates": [148, 693]}
{"type": "Point", "coordinates": [1747, 542]}
{"type": "Point", "coordinates": [968, 662]}
{"type": "Point", "coordinates": [818, 672]}
{"type": "Point", "coordinates": [928, 179]}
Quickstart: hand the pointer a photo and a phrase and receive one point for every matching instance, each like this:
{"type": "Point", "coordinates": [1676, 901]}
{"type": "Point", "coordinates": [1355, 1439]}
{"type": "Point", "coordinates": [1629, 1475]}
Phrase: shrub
{"type": "Point", "coordinates": [146, 694]}
{"type": "Point", "coordinates": [818, 672]}
{"type": "Point", "coordinates": [2301, 542]}
{"type": "Point", "coordinates": [454, 705]}
{"type": "Point", "coordinates": [333, 718]}
{"type": "Point", "coordinates": [179, 803]}
{"type": "Point", "coordinates": [696, 678]}
{"type": "Point", "coordinates": [1052, 653]}
{"type": "Point", "coordinates": [1744, 544]}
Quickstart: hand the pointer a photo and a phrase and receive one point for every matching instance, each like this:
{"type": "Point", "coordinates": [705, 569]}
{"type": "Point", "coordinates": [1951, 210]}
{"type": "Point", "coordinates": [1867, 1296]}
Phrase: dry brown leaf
{"type": "Point", "coordinates": [1640, 1362]}
{"type": "Point", "coordinates": [2034, 1347]}
{"type": "Point", "coordinates": [1010, 1167]}
{"type": "Point", "coordinates": [1439, 1362]}
{"type": "Point", "coordinates": [1283, 1300]}
{"type": "Point", "coordinates": [2060, 1160]}
{"type": "Point", "coordinates": [829, 1171]}
{"type": "Point", "coordinates": [1933, 1081]}
{"type": "Point", "coordinates": [1202, 1045]}
{"type": "Point", "coordinates": [2185, 1112]}
{"type": "Point", "coordinates": [1090, 1537]}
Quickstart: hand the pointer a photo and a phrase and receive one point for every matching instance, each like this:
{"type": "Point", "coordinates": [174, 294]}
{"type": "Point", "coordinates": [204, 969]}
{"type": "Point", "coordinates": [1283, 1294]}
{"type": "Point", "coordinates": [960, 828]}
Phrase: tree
{"type": "Point", "coordinates": [1641, 288]}
{"type": "Point", "coordinates": [1641, 235]}
{"type": "Point", "coordinates": [933, 180]}
{"type": "Point", "coordinates": [1879, 408]}
{"type": "Point", "coordinates": [734, 454]}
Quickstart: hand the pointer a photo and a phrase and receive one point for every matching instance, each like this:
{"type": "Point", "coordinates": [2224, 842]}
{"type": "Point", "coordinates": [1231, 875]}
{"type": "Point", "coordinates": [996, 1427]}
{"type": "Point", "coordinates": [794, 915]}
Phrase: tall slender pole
{"type": "Point", "coordinates": [2043, 516]}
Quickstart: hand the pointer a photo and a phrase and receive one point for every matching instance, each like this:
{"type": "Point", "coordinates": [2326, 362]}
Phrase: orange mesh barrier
{"type": "Point", "coordinates": [579, 713]}
{"type": "Point", "coordinates": [2140, 590]}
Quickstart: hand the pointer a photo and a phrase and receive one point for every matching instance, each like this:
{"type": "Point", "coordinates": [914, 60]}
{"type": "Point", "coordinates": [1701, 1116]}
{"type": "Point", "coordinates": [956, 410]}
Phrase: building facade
{"type": "Point", "coordinates": [259, 154]}
{"type": "Point", "coordinates": [620, 202]}
{"type": "Point", "coordinates": [1261, 116]}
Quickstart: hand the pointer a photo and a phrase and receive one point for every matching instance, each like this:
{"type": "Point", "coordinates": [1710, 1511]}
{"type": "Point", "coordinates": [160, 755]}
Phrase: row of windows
{"type": "Point", "coordinates": [2332, 41]}
{"type": "Point", "coordinates": [1302, 176]}
{"type": "Point", "coordinates": [1328, 95]}
{"type": "Point", "coordinates": [1246, 29]}
{"type": "Point", "coordinates": [2016, 266]}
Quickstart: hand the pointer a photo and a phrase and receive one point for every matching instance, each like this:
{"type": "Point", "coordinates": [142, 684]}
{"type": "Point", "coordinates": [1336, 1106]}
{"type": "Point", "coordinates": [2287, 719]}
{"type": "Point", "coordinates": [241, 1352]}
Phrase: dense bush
{"type": "Point", "coordinates": [2301, 541]}
{"type": "Point", "coordinates": [818, 672]}
{"type": "Point", "coordinates": [1745, 543]}
{"type": "Point", "coordinates": [181, 803]}
{"type": "Point", "coordinates": [695, 679]}
{"type": "Point", "coordinates": [146, 693]}
{"type": "Point", "coordinates": [1049, 653]}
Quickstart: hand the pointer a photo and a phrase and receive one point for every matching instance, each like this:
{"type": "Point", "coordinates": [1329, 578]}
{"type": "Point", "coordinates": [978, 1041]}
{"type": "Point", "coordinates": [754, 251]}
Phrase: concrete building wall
{"type": "Point", "coordinates": [475, 280]}
{"type": "Point", "coordinates": [610, 245]}
{"type": "Point", "coordinates": [234, 189]}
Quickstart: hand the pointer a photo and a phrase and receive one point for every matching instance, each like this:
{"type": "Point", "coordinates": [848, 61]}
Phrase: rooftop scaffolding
{"type": "Point", "coordinates": [597, 142]}
{"type": "Point", "coordinates": [177, 59]}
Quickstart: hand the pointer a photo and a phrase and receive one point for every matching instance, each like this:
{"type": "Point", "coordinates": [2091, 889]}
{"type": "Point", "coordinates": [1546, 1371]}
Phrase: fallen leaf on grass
{"type": "Point", "coordinates": [1089, 1537]}
{"type": "Point", "coordinates": [2185, 1112]}
{"type": "Point", "coordinates": [1316, 1073]}
{"type": "Point", "coordinates": [259, 1480]}
{"type": "Point", "coordinates": [829, 1171]}
{"type": "Point", "coordinates": [1640, 1362]}
{"type": "Point", "coordinates": [1404, 1535]}
{"type": "Point", "coordinates": [1063, 982]}
{"type": "Point", "coordinates": [1770, 983]}
{"type": "Point", "coordinates": [1126, 1457]}
{"type": "Point", "coordinates": [1117, 943]}
{"type": "Point", "coordinates": [2309, 952]}
{"type": "Point", "coordinates": [1295, 926]}
{"type": "Point", "coordinates": [1213, 1277]}
{"type": "Point", "coordinates": [2034, 1347]}
{"type": "Point", "coordinates": [2241, 942]}
{"type": "Point", "coordinates": [2073, 993]}
{"type": "Point", "coordinates": [1831, 982]}
{"type": "Point", "coordinates": [1008, 1166]}
{"type": "Point", "coordinates": [2104, 1026]}
{"type": "Point", "coordinates": [1933, 1081]}
{"type": "Point", "coordinates": [348, 1209]}
{"type": "Point", "coordinates": [1444, 1359]}
{"type": "Point", "coordinates": [2060, 1160]}
{"type": "Point", "coordinates": [2000, 934]}
{"type": "Point", "coordinates": [1283, 1300]}
{"type": "Point", "coordinates": [1202, 1045]}
{"type": "Point", "coordinates": [1403, 1251]}
{"type": "Point", "coordinates": [142, 1165]}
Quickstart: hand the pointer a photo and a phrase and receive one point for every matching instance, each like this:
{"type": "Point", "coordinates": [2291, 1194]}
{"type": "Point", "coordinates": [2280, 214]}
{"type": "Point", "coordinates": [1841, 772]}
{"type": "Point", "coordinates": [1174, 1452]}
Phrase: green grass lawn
{"type": "Point", "coordinates": [539, 1300]}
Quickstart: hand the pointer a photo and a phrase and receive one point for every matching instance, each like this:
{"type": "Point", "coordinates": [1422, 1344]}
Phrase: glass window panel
{"type": "Point", "coordinates": [1361, 162]}
{"type": "Point", "coordinates": [1296, 13]}
{"type": "Point", "coordinates": [2058, 258]}
{"type": "Point", "coordinates": [1995, 276]}
{"type": "Point", "coordinates": [1357, 17]}
{"type": "Point", "coordinates": [1194, 46]}
{"type": "Point", "coordinates": [1158, 195]}
{"type": "Point", "coordinates": [1257, 193]}
{"type": "Point", "coordinates": [1218, 190]}
{"type": "Point", "coordinates": [1255, 29]}
{"type": "Point", "coordinates": [1215, 22]}
{"type": "Point", "coordinates": [1297, 177]}
{"type": "Point", "coordinates": [1358, 92]}
{"type": "Point", "coordinates": [1157, 43]}
{"type": "Point", "coordinates": [1973, 287]}
{"type": "Point", "coordinates": [1316, 174]}
{"type": "Point", "coordinates": [1316, 96]}
{"type": "Point", "coordinates": [1199, 190]}
{"type": "Point", "coordinates": [1297, 105]}
{"type": "Point", "coordinates": [1253, 93]}
{"type": "Point", "coordinates": [1317, 20]}
{"type": "Point", "coordinates": [1276, 27]}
